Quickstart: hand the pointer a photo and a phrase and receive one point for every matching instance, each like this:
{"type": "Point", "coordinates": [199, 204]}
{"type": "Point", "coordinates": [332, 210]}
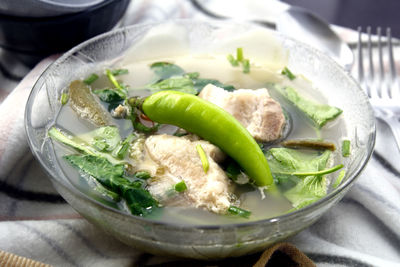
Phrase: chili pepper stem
{"type": "Point", "coordinates": [136, 102]}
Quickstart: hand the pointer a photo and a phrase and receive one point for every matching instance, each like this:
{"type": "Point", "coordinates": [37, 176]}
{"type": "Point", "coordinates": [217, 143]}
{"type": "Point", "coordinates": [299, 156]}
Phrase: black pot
{"type": "Point", "coordinates": [32, 38]}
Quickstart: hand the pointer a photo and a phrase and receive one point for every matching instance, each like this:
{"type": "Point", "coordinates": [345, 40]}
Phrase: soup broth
{"type": "Point", "coordinates": [217, 67]}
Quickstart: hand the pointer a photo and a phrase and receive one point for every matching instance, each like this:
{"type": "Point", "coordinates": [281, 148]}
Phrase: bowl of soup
{"type": "Point", "coordinates": [199, 140]}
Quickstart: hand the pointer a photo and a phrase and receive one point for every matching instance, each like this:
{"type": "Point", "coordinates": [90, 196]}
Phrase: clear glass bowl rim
{"type": "Point", "coordinates": [287, 216]}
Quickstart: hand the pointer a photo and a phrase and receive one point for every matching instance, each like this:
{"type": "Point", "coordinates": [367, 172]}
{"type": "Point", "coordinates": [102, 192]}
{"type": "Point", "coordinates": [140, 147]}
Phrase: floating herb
{"type": "Point", "coordinates": [346, 148]}
{"type": "Point", "coordinates": [180, 187]}
{"type": "Point", "coordinates": [288, 74]}
{"type": "Point", "coordinates": [203, 158]}
{"type": "Point", "coordinates": [238, 211]}
{"type": "Point", "coordinates": [89, 80]}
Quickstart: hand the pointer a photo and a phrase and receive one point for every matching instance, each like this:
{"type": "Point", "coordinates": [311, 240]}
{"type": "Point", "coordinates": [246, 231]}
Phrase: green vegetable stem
{"type": "Point", "coordinates": [213, 124]}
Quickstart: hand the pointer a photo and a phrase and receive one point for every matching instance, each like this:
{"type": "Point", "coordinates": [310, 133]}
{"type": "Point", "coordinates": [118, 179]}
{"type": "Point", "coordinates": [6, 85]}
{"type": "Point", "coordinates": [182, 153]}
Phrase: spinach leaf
{"type": "Point", "coordinates": [181, 84]}
{"type": "Point", "coordinates": [319, 114]}
{"type": "Point", "coordinates": [165, 70]}
{"type": "Point", "coordinates": [307, 191]}
{"type": "Point", "coordinates": [299, 190]}
{"type": "Point", "coordinates": [122, 148]}
{"type": "Point", "coordinates": [109, 95]}
{"type": "Point", "coordinates": [138, 199]}
{"type": "Point", "coordinates": [79, 144]}
{"type": "Point", "coordinates": [291, 160]}
{"type": "Point", "coordinates": [98, 167]}
{"type": "Point", "coordinates": [105, 138]}
{"type": "Point", "coordinates": [169, 76]}
{"type": "Point", "coordinates": [199, 84]}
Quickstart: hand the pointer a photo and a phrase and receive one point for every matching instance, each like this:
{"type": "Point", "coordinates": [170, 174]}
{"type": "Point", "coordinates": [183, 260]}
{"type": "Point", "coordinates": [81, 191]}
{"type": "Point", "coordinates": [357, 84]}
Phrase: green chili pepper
{"type": "Point", "coordinates": [213, 124]}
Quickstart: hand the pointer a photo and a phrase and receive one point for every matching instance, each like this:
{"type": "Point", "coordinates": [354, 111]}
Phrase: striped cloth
{"type": "Point", "coordinates": [36, 223]}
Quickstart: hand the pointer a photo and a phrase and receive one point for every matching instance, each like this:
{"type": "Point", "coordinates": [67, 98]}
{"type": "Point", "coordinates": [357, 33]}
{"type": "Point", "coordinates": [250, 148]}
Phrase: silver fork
{"type": "Point", "coordinates": [382, 87]}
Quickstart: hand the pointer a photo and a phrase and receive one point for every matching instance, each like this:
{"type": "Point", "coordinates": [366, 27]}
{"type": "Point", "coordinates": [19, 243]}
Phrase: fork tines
{"type": "Point", "coordinates": [379, 79]}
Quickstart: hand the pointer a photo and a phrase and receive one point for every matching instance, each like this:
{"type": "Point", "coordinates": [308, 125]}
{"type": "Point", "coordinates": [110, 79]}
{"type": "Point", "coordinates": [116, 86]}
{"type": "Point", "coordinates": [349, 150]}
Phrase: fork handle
{"type": "Point", "coordinates": [394, 125]}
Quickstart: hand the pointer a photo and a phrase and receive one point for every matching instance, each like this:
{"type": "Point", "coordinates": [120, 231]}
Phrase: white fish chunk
{"type": "Point", "coordinates": [179, 160]}
{"type": "Point", "coordinates": [261, 115]}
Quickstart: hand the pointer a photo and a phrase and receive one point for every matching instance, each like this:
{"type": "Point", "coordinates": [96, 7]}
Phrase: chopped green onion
{"type": "Point", "coordinates": [339, 179]}
{"type": "Point", "coordinates": [239, 54]}
{"type": "Point", "coordinates": [113, 80]}
{"type": "Point", "coordinates": [232, 60]}
{"type": "Point", "coordinates": [89, 80]}
{"type": "Point", "coordinates": [119, 72]}
{"type": "Point", "coordinates": [312, 173]}
{"type": "Point", "coordinates": [288, 73]}
{"type": "Point", "coordinates": [203, 158]}
{"type": "Point", "coordinates": [346, 148]}
{"type": "Point", "coordinates": [180, 187]}
{"type": "Point", "coordinates": [246, 66]}
{"type": "Point", "coordinates": [142, 175]}
{"type": "Point", "coordinates": [64, 98]}
{"type": "Point", "coordinates": [238, 211]}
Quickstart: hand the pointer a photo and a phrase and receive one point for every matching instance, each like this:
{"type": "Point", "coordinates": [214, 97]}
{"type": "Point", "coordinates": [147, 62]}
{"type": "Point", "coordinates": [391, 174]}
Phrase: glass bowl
{"type": "Point", "coordinates": [196, 241]}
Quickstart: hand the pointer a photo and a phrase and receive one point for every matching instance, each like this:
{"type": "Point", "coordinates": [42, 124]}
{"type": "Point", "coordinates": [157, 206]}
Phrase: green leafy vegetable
{"type": "Point", "coordinates": [109, 95]}
{"type": "Point", "coordinates": [172, 77]}
{"type": "Point", "coordinates": [192, 75]}
{"type": "Point", "coordinates": [98, 167]}
{"type": "Point", "coordinates": [200, 83]}
{"type": "Point", "coordinates": [104, 191]}
{"type": "Point", "coordinates": [313, 173]}
{"type": "Point", "coordinates": [79, 144]}
{"type": "Point", "coordinates": [104, 139]}
{"type": "Point", "coordinates": [203, 158]}
{"type": "Point", "coordinates": [165, 70]}
{"type": "Point", "coordinates": [239, 212]}
{"type": "Point", "coordinates": [121, 150]}
{"type": "Point", "coordinates": [233, 170]}
{"type": "Point", "coordinates": [288, 73]}
{"type": "Point", "coordinates": [64, 98]}
{"type": "Point", "coordinates": [307, 191]}
{"type": "Point", "coordinates": [142, 175]}
{"type": "Point", "coordinates": [180, 187]}
{"type": "Point", "coordinates": [346, 148]}
{"type": "Point", "coordinates": [91, 79]}
{"type": "Point", "coordinates": [181, 84]}
{"type": "Point", "coordinates": [300, 173]}
{"type": "Point", "coordinates": [319, 114]}
{"type": "Point", "coordinates": [139, 200]}
{"type": "Point", "coordinates": [284, 160]}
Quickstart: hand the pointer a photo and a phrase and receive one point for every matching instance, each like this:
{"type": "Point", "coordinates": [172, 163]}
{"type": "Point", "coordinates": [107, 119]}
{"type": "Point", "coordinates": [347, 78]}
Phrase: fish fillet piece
{"type": "Point", "coordinates": [178, 159]}
{"type": "Point", "coordinates": [261, 115]}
